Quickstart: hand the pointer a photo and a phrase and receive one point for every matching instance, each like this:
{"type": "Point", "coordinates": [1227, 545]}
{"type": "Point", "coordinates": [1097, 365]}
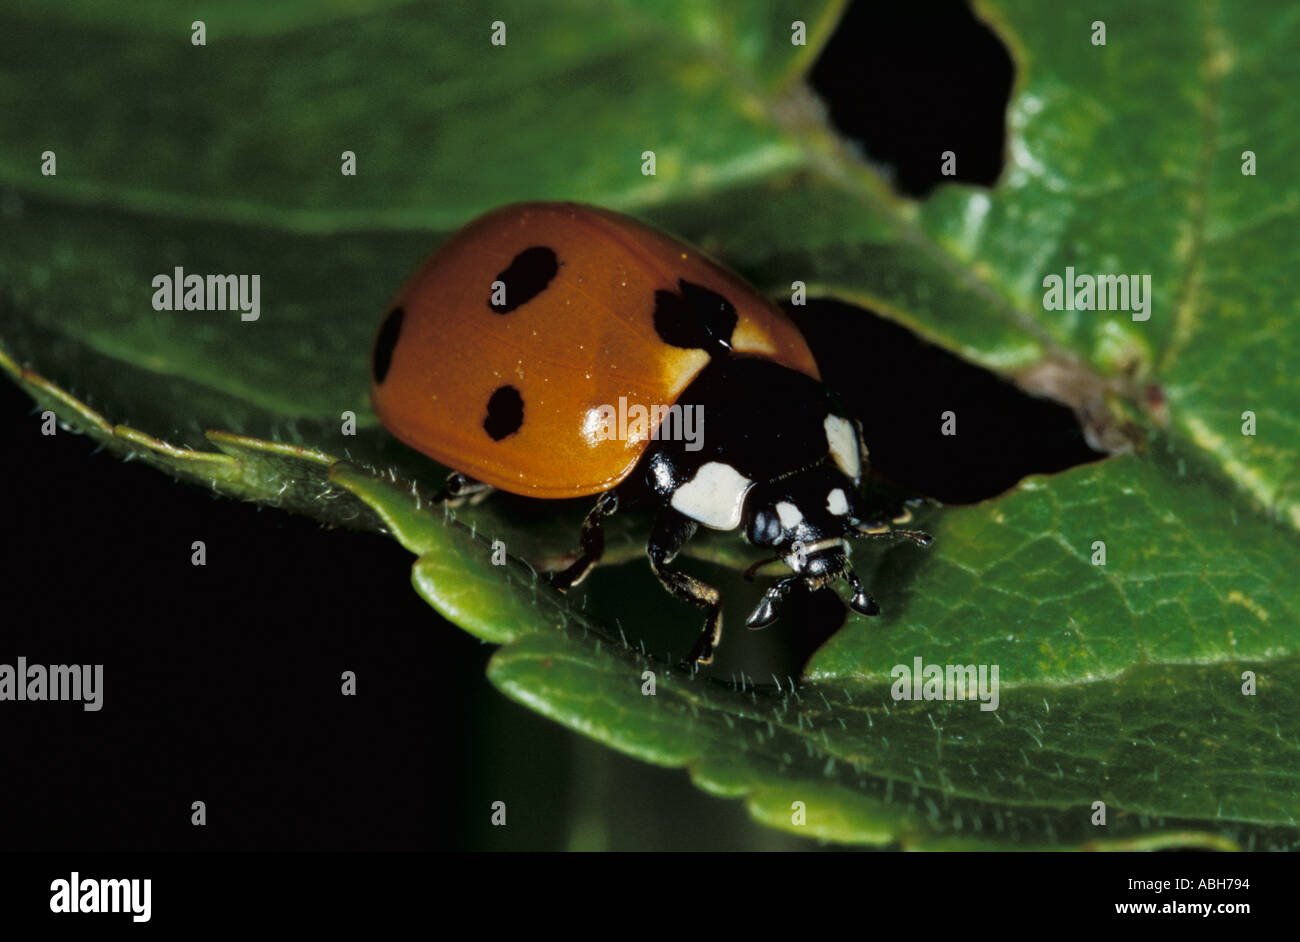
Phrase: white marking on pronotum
{"type": "Point", "coordinates": [714, 496]}
{"type": "Point", "coordinates": [843, 442]}
{"type": "Point", "coordinates": [789, 514]}
{"type": "Point", "coordinates": [837, 503]}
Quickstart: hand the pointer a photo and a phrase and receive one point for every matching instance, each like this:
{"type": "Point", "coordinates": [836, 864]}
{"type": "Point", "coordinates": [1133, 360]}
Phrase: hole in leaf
{"type": "Point", "coordinates": [908, 82]}
{"type": "Point", "coordinates": [900, 386]}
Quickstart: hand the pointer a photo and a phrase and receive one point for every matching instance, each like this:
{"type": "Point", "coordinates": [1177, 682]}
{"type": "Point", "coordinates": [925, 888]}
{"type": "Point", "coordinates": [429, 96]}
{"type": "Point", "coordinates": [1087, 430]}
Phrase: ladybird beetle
{"type": "Point", "coordinates": [503, 355]}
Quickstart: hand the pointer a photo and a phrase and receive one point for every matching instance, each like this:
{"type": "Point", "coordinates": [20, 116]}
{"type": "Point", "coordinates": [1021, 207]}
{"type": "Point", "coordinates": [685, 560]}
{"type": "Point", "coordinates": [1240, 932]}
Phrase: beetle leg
{"type": "Point", "coordinates": [861, 601]}
{"type": "Point", "coordinates": [769, 606]}
{"type": "Point", "coordinates": [459, 488]}
{"type": "Point", "coordinates": [593, 543]}
{"type": "Point", "coordinates": [670, 533]}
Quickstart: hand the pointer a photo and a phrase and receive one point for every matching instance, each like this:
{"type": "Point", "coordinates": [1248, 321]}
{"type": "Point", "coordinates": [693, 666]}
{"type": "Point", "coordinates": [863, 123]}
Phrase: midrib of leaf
{"type": "Point", "coordinates": [1213, 71]}
{"type": "Point", "coordinates": [228, 210]}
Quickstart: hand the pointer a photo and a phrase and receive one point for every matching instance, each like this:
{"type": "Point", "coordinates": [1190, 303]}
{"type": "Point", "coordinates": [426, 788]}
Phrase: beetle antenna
{"type": "Point", "coordinates": [863, 531]}
{"type": "Point", "coordinates": [753, 570]}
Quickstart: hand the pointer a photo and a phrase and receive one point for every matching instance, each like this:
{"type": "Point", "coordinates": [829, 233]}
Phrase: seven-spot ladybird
{"type": "Point", "coordinates": [515, 353]}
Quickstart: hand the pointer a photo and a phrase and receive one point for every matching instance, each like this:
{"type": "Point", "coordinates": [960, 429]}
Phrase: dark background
{"type": "Point", "coordinates": [222, 682]}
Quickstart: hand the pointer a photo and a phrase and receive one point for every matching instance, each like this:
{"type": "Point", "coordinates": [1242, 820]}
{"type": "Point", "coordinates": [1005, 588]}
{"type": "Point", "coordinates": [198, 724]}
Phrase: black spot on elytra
{"type": "Point", "coordinates": [386, 342]}
{"type": "Point", "coordinates": [505, 413]}
{"type": "Point", "coordinates": [697, 317]}
{"type": "Point", "coordinates": [526, 278]}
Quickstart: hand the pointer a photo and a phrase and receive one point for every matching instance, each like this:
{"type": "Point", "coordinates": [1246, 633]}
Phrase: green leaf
{"type": "Point", "coordinates": [1120, 683]}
